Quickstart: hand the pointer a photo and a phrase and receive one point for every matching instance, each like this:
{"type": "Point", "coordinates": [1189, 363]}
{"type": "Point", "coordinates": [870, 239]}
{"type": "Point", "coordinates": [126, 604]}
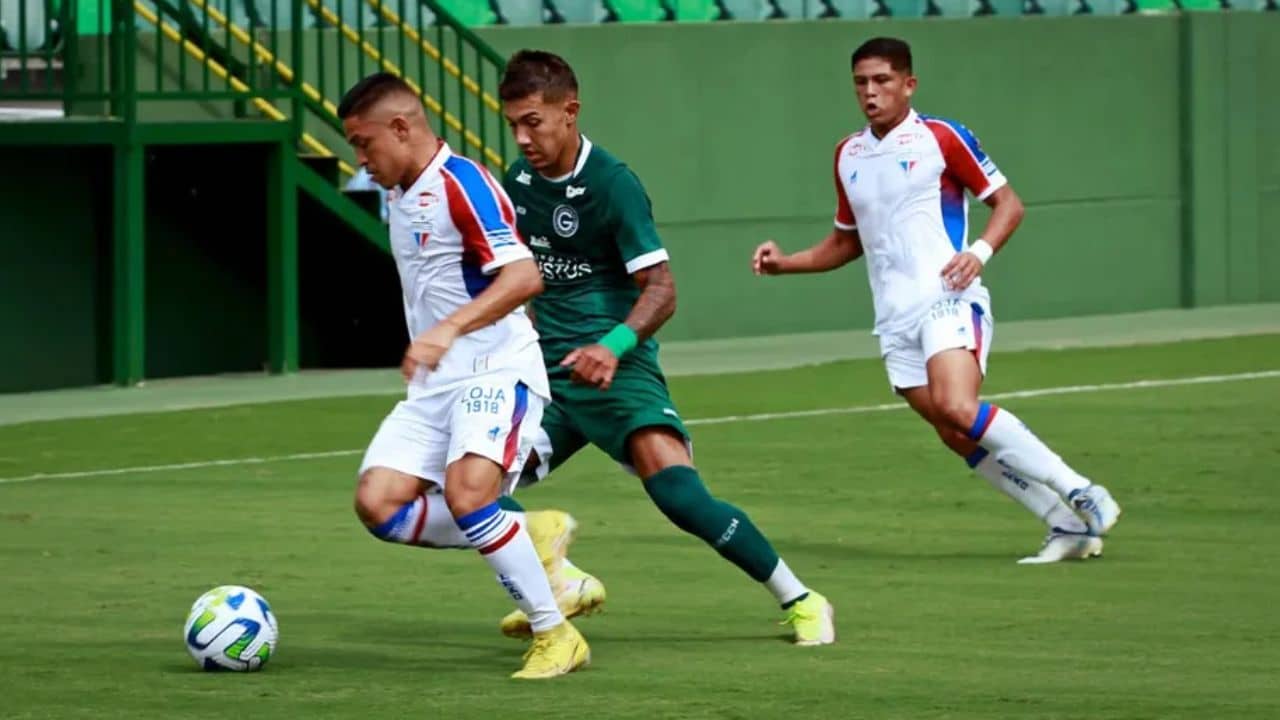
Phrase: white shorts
{"type": "Point", "coordinates": [494, 415]}
{"type": "Point", "coordinates": [954, 322]}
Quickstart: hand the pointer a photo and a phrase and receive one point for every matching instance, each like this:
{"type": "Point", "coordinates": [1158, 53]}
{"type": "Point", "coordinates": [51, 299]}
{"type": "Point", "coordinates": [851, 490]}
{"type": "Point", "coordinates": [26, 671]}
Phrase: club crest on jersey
{"type": "Point", "coordinates": [907, 165]}
{"type": "Point", "coordinates": [564, 220]}
{"type": "Point", "coordinates": [420, 238]}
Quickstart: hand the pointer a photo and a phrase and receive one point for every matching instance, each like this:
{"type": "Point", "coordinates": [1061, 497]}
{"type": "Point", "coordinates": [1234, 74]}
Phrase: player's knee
{"type": "Point", "coordinates": [380, 493]}
{"type": "Point", "coordinates": [954, 413]}
{"type": "Point", "coordinates": [463, 500]}
{"type": "Point", "coordinates": [474, 482]}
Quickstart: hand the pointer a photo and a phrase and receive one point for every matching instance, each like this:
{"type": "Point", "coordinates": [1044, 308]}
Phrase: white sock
{"type": "Point", "coordinates": [784, 584]}
{"type": "Point", "coordinates": [424, 521]}
{"type": "Point", "coordinates": [1036, 498]}
{"type": "Point", "coordinates": [440, 529]}
{"type": "Point", "coordinates": [505, 544]}
{"type": "Point", "coordinates": [1004, 435]}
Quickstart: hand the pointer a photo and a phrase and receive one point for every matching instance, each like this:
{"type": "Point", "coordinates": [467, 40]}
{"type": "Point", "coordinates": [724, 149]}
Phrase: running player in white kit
{"type": "Point", "coordinates": [900, 201]}
{"type": "Point", "coordinates": [477, 384]}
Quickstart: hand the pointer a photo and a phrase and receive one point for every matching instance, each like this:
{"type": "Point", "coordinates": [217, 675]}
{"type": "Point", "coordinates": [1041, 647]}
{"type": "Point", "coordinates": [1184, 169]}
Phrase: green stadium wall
{"type": "Point", "coordinates": [1137, 143]}
{"type": "Point", "coordinates": [732, 129]}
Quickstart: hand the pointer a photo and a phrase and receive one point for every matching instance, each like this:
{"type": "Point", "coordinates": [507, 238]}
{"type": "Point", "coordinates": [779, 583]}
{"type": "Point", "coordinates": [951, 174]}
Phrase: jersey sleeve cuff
{"type": "Point", "coordinates": [846, 226]}
{"type": "Point", "coordinates": [995, 182]}
{"type": "Point", "coordinates": [649, 259]}
{"type": "Point", "coordinates": [508, 256]}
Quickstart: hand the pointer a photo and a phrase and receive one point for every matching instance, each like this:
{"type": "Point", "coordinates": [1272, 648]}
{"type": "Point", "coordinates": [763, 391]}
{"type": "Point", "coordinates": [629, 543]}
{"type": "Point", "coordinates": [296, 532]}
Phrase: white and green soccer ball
{"type": "Point", "coordinates": [231, 628]}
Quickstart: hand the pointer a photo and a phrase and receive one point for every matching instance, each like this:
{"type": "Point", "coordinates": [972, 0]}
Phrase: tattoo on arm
{"type": "Point", "coordinates": [657, 301]}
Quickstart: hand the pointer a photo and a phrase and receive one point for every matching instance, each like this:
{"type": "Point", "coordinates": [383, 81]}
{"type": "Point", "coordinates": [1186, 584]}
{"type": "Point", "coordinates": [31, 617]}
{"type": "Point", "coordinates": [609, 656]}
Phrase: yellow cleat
{"type": "Point", "coordinates": [558, 651]}
{"type": "Point", "coordinates": [813, 620]}
{"type": "Point", "coordinates": [579, 593]}
{"type": "Point", "coordinates": [552, 532]}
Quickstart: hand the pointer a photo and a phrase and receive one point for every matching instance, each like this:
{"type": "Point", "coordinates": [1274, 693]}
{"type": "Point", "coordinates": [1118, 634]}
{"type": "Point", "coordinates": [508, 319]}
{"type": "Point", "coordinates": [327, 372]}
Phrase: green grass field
{"type": "Point", "coordinates": [934, 618]}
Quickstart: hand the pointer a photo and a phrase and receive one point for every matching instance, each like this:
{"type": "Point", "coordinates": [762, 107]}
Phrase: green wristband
{"type": "Point", "coordinates": [620, 340]}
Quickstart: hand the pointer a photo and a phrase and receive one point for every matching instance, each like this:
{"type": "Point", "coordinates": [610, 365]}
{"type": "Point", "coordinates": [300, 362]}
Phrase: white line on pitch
{"type": "Point", "coordinates": [759, 417]}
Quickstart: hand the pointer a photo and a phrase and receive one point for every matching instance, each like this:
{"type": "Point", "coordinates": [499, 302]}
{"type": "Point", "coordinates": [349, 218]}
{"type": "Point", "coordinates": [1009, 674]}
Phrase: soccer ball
{"type": "Point", "coordinates": [231, 628]}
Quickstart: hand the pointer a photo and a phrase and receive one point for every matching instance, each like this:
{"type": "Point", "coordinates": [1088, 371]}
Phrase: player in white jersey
{"type": "Point", "coordinates": [477, 384]}
{"type": "Point", "coordinates": [900, 201]}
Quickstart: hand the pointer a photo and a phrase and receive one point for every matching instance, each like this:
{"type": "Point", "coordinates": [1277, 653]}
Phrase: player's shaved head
{"type": "Point", "coordinates": [381, 93]}
{"type": "Point", "coordinates": [537, 71]}
{"type": "Point", "coordinates": [896, 52]}
{"type": "Point", "coordinates": [383, 120]}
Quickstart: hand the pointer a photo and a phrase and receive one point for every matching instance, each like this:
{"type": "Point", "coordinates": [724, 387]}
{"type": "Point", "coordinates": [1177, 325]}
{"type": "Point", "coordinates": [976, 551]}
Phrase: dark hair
{"type": "Point", "coordinates": [896, 51]}
{"type": "Point", "coordinates": [537, 71]}
{"type": "Point", "coordinates": [371, 90]}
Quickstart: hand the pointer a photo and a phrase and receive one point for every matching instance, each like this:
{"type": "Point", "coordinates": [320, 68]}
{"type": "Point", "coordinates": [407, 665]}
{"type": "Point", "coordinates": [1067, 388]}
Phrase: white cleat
{"type": "Point", "coordinates": [1061, 545]}
{"type": "Point", "coordinates": [1096, 507]}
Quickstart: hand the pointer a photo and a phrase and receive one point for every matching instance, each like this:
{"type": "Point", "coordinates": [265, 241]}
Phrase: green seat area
{"type": "Point", "coordinates": [1004, 8]}
{"type": "Point", "coordinates": [520, 12]}
{"type": "Point", "coordinates": [639, 11]}
{"type": "Point", "coordinates": [575, 11]}
{"type": "Point", "coordinates": [24, 24]}
{"type": "Point", "coordinates": [471, 13]}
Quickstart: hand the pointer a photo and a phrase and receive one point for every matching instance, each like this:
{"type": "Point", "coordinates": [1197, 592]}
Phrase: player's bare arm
{"type": "Point", "coordinates": [657, 301]}
{"type": "Point", "coordinates": [515, 284]}
{"type": "Point", "coordinates": [1006, 215]}
{"type": "Point", "coordinates": [596, 364]}
{"type": "Point", "coordinates": [838, 248]}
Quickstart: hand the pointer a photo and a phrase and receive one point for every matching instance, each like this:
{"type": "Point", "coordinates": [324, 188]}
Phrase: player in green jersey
{"type": "Point", "coordinates": [609, 288]}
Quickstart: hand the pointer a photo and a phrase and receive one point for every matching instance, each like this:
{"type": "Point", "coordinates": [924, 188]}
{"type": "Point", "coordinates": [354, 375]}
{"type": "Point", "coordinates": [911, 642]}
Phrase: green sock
{"type": "Point", "coordinates": [506, 502]}
{"type": "Point", "coordinates": [680, 495]}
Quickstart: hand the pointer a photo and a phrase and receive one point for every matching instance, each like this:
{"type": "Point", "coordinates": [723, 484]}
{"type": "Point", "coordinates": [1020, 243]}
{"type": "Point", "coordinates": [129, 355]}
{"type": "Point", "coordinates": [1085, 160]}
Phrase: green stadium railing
{"type": "Point", "coordinates": [282, 60]}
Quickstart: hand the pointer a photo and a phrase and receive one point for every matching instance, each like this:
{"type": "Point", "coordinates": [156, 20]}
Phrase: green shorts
{"type": "Point", "coordinates": [579, 414]}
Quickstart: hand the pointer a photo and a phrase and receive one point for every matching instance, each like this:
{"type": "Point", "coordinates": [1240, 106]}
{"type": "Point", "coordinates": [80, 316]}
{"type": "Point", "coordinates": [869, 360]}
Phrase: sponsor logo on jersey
{"type": "Point", "coordinates": [427, 199]}
{"type": "Point", "coordinates": [988, 167]}
{"type": "Point", "coordinates": [520, 210]}
{"type": "Point", "coordinates": [853, 149]}
{"type": "Point", "coordinates": [564, 220]}
{"type": "Point", "coordinates": [524, 178]}
{"type": "Point", "coordinates": [539, 241]}
{"type": "Point", "coordinates": [853, 178]}
{"type": "Point", "coordinates": [554, 267]}
{"type": "Point", "coordinates": [572, 192]}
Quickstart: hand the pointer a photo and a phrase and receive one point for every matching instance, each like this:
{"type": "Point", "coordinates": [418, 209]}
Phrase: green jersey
{"type": "Point", "coordinates": [589, 232]}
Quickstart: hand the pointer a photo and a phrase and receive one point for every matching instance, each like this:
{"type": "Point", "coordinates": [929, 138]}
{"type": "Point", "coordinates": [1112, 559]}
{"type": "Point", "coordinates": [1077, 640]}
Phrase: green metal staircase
{"type": "Point", "coordinates": [134, 74]}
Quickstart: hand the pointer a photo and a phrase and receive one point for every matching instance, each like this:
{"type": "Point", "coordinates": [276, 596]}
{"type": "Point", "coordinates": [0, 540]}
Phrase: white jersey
{"type": "Point", "coordinates": [450, 232]}
{"type": "Point", "coordinates": [904, 193]}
